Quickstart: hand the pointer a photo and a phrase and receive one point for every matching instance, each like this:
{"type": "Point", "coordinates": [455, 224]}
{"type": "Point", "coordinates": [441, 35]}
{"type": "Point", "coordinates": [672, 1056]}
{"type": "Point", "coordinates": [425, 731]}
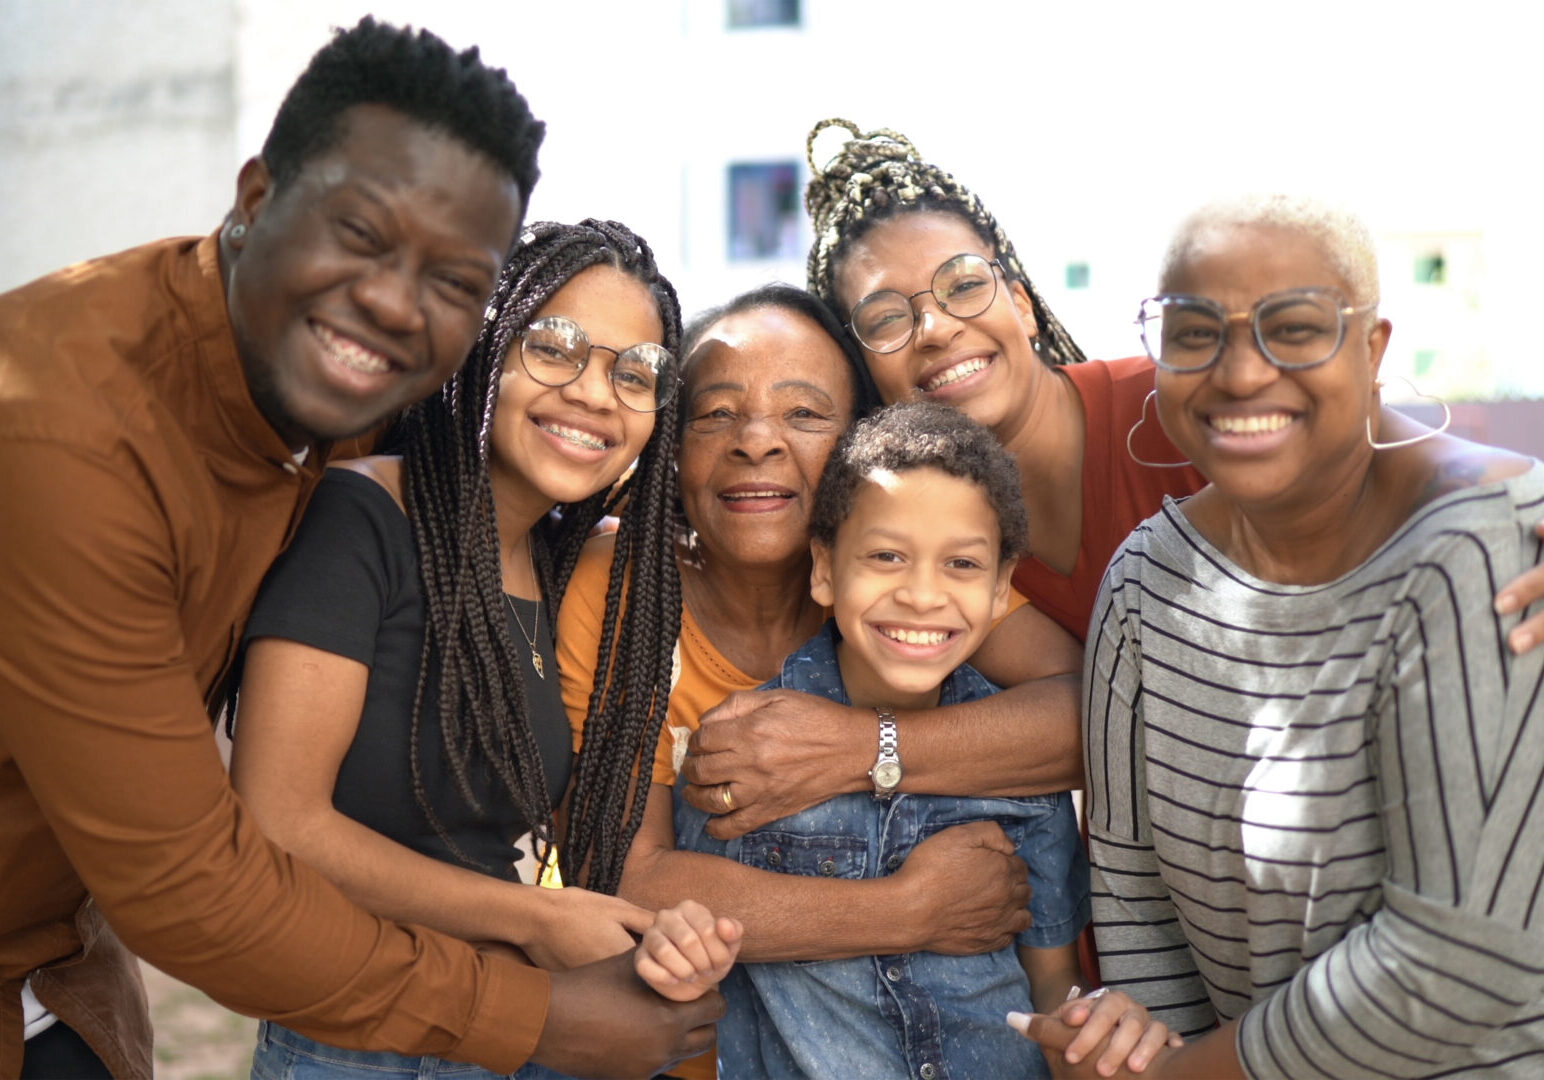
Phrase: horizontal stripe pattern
{"type": "Point", "coordinates": [1322, 808]}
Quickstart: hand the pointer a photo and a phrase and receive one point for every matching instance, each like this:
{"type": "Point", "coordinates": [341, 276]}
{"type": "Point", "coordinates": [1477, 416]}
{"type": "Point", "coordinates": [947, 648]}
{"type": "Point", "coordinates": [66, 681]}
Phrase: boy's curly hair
{"type": "Point", "coordinates": [922, 435]}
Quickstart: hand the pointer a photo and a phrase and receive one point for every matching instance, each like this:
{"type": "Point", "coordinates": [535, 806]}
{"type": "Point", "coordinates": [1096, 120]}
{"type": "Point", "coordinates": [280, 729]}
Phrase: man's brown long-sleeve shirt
{"type": "Point", "coordinates": [142, 497]}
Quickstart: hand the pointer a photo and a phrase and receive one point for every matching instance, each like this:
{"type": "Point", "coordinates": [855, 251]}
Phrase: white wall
{"type": "Point", "coordinates": [1089, 128]}
{"type": "Point", "coordinates": [117, 125]}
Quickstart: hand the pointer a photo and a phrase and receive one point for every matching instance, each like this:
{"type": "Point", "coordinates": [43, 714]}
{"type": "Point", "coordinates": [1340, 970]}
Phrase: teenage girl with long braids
{"type": "Point", "coordinates": [400, 720]}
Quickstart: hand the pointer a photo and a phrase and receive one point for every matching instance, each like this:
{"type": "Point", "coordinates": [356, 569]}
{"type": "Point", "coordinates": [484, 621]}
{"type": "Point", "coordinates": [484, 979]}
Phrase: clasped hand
{"type": "Point", "coordinates": [1103, 1034]}
{"type": "Point", "coordinates": [777, 747]}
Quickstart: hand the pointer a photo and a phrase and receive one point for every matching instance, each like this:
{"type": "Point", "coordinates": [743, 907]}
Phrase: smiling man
{"type": "Point", "coordinates": [164, 415]}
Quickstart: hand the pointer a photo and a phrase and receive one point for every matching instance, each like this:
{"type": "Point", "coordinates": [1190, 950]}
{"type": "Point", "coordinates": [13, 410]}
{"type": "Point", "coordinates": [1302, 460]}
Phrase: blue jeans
{"type": "Point", "coordinates": [286, 1055]}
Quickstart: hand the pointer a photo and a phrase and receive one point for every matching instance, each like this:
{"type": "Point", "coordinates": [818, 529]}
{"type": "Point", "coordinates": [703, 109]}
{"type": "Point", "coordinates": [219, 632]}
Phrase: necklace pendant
{"type": "Point", "coordinates": [536, 663]}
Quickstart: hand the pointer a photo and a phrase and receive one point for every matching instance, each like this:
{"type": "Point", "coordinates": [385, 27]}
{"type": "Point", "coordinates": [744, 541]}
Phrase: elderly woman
{"type": "Point", "coordinates": [769, 386]}
{"type": "Point", "coordinates": [1314, 764]}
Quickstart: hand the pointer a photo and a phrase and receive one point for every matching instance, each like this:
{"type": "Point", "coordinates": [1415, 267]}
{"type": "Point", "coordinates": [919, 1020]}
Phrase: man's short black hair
{"type": "Point", "coordinates": [922, 435]}
{"type": "Point", "coordinates": [416, 74]}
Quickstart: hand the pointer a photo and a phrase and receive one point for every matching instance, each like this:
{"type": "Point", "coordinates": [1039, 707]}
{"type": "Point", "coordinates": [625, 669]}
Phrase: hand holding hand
{"type": "Point", "coordinates": [603, 1021]}
{"type": "Point", "coordinates": [779, 752]}
{"type": "Point", "coordinates": [573, 926]}
{"type": "Point", "coordinates": [970, 888]}
{"type": "Point", "coordinates": [1103, 1034]}
{"type": "Point", "coordinates": [687, 951]}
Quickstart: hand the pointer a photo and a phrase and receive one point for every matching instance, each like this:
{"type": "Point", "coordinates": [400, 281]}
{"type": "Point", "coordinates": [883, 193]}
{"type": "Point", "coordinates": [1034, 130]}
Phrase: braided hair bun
{"type": "Point", "coordinates": [879, 175]}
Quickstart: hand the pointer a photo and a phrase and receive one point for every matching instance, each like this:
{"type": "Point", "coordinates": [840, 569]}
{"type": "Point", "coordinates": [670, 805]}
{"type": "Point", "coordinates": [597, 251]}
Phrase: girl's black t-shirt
{"type": "Point", "coordinates": [349, 584]}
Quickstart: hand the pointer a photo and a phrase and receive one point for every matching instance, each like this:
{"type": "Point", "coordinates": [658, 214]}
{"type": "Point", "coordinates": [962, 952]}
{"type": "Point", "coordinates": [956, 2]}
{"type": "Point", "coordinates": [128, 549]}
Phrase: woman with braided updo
{"type": "Point", "coordinates": [937, 298]}
{"type": "Point", "coordinates": [400, 719]}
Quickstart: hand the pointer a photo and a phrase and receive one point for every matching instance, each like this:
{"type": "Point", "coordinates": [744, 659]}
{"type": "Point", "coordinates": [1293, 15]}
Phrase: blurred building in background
{"type": "Point", "coordinates": [1089, 129]}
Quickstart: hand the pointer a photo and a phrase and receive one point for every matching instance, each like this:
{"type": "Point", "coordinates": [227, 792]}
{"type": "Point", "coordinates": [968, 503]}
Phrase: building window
{"type": "Point", "coordinates": [746, 13]}
{"type": "Point", "coordinates": [764, 210]}
{"type": "Point", "coordinates": [1077, 275]}
{"type": "Point", "coordinates": [1431, 269]}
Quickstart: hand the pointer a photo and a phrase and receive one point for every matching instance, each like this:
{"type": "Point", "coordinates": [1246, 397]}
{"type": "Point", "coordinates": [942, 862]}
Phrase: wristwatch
{"type": "Point", "coordinates": [886, 772]}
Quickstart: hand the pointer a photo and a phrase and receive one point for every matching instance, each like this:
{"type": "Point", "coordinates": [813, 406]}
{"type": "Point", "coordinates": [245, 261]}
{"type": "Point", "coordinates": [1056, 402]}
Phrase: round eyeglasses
{"type": "Point", "coordinates": [1294, 329]}
{"type": "Point", "coordinates": [555, 351]}
{"type": "Point", "coordinates": [964, 286]}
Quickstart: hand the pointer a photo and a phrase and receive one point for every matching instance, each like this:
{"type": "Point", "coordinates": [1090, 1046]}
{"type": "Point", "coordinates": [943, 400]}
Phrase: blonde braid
{"type": "Point", "coordinates": [879, 174]}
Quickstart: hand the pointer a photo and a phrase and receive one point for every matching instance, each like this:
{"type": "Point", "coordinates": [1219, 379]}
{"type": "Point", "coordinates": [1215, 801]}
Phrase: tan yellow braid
{"type": "Point", "coordinates": [879, 174]}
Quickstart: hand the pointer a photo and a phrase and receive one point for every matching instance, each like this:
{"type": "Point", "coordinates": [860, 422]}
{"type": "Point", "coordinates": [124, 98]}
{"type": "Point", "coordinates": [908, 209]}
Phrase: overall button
{"type": "Point", "coordinates": [827, 867]}
{"type": "Point", "coordinates": [927, 1072]}
{"type": "Point", "coordinates": [774, 858]}
{"type": "Point", "coordinates": [893, 862]}
{"type": "Point", "coordinates": [893, 973]}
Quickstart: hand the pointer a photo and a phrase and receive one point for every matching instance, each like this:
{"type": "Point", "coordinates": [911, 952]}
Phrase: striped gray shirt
{"type": "Point", "coordinates": [1326, 802]}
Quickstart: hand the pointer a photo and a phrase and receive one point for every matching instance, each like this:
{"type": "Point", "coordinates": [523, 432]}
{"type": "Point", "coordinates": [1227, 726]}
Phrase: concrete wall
{"type": "Point", "coordinates": [117, 125]}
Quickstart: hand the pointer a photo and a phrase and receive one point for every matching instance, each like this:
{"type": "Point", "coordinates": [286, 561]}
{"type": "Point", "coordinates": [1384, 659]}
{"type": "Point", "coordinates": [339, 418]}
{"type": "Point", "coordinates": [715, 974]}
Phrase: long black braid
{"type": "Point", "coordinates": [879, 175]}
{"type": "Point", "coordinates": [468, 654]}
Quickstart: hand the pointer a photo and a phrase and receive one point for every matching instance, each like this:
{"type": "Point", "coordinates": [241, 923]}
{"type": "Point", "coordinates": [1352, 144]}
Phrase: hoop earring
{"type": "Point", "coordinates": [1130, 434]}
{"type": "Point", "coordinates": [1447, 418]}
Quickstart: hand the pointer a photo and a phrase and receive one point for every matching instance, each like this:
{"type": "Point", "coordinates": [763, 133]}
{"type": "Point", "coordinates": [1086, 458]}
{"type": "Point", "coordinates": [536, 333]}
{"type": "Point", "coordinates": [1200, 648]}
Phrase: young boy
{"type": "Point", "coordinates": [916, 528]}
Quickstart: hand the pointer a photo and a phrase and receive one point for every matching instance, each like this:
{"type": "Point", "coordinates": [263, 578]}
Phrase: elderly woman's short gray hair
{"type": "Point", "coordinates": [1344, 236]}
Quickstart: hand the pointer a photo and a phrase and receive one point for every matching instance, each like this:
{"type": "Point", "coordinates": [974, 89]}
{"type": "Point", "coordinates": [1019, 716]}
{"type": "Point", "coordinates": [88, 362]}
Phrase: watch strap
{"type": "Point", "coordinates": [886, 772]}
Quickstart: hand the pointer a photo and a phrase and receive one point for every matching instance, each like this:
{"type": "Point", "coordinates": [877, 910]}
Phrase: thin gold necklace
{"type": "Point", "coordinates": [530, 638]}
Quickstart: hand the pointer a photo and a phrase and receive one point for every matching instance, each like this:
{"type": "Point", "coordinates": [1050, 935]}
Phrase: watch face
{"type": "Point", "coordinates": [887, 774]}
